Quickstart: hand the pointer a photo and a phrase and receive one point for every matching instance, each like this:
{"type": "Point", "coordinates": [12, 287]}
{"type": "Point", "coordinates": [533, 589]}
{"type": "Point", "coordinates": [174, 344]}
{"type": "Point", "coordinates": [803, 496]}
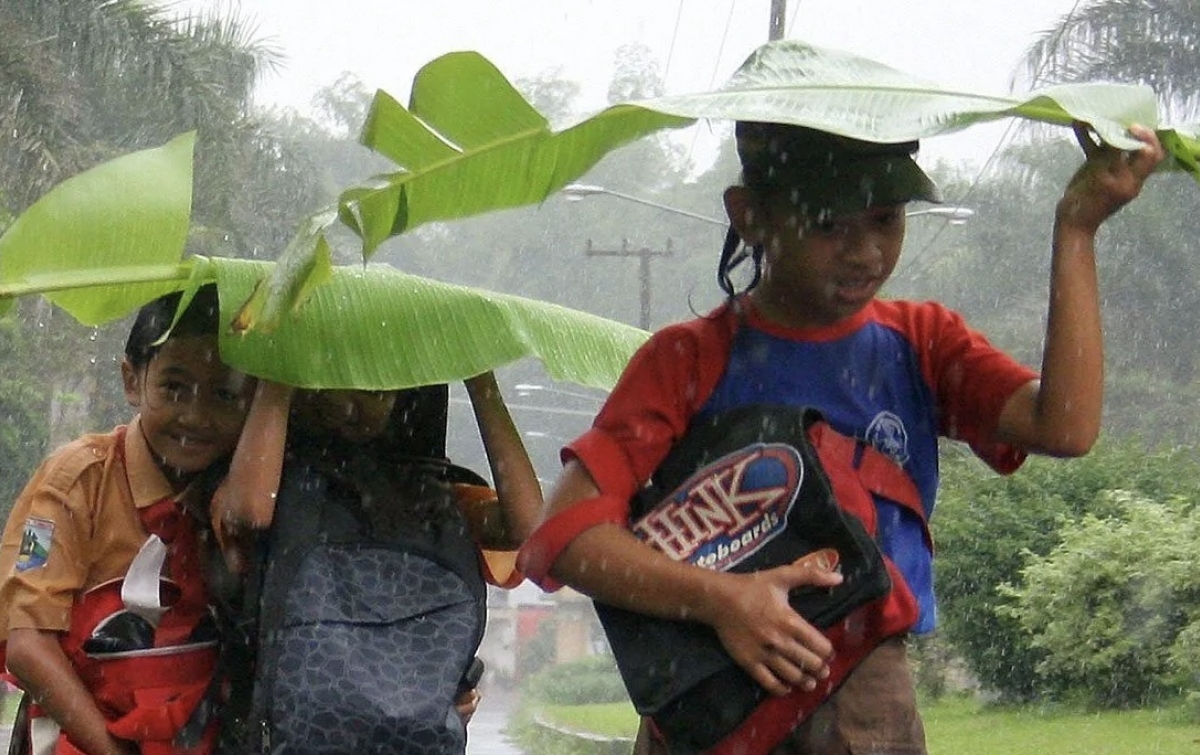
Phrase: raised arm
{"type": "Point", "coordinates": [1060, 415]}
{"type": "Point", "coordinates": [519, 494]}
{"type": "Point", "coordinates": [245, 500]}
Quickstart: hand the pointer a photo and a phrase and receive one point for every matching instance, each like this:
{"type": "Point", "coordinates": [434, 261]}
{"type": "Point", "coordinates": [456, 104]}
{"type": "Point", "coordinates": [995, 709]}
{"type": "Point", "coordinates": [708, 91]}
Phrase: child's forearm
{"type": "Point", "coordinates": [37, 660]}
{"type": "Point", "coordinates": [247, 496]}
{"type": "Point", "coordinates": [517, 486]}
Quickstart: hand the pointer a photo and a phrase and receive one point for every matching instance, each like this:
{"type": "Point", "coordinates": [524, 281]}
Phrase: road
{"type": "Point", "coordinates": [485, 734]}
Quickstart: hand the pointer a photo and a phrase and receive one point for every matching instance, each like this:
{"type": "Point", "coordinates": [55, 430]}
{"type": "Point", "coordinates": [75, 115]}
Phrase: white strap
{"type": "Point", "coordinates": [140, 590]}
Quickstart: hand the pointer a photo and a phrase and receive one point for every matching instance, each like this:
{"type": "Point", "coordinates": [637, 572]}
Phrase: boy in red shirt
{"type": "Point", "coordinates": [823, 217]}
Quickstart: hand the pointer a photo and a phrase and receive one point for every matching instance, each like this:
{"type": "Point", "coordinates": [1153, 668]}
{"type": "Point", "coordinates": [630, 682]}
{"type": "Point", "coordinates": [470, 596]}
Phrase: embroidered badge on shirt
{"type": "Point", "coordinates": [35, 544]}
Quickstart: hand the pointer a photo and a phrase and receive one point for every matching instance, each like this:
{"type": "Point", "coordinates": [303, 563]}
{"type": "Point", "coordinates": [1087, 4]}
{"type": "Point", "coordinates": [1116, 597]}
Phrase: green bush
{"type": "Point", "coordinates": [593, 679]}
{"type": "Point", "coordinates": [987, 527]}
{"type": "Point", "coordinates": [1116, 605]}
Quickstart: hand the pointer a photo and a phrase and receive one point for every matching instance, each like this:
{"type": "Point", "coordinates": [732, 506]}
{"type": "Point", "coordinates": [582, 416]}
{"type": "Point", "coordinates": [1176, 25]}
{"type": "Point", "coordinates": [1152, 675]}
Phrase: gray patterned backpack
{"type": "Point", "coordinates": [364, 614]}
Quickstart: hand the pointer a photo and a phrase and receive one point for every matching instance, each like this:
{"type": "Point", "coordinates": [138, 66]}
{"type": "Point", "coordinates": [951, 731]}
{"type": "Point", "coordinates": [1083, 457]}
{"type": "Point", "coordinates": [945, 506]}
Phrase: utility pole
{"type": "Point", "coordinates": [644, 255]}
{"type": "Point", "coordinates": [778, 15]}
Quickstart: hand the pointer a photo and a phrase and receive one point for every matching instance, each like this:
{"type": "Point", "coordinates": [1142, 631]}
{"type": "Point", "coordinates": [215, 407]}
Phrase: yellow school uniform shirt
{"type": "Point", "coordinates": [75, 526]}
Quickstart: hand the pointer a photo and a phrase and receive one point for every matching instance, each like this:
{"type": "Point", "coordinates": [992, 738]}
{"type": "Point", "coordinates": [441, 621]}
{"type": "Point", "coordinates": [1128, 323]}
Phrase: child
{"type": "Point", "coordinates": [388, 429]}
{"type": "Point", "coordinates": [86, 538]}
{"type": "Point", "coordinates": [824, 217]}
{"type": "Point", "coordinates": [396, 423]}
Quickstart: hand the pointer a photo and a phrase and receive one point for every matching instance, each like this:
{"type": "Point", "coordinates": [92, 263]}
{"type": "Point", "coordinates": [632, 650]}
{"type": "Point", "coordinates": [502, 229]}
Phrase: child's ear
{"type": "Point", "coordinates": [744, 215]}
{"type": "Point", "coordinates": [131, 377]}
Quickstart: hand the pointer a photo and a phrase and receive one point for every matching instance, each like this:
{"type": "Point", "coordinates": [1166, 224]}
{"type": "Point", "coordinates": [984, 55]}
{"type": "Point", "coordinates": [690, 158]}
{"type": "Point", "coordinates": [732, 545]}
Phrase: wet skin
{"type": "Point", "coordinates": [192, 406]}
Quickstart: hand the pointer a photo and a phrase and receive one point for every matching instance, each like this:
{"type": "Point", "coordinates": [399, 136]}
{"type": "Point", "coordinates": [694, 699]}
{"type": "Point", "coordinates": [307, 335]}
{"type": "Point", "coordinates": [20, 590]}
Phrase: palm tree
{"type": "Point", "coordinates": [82, 81]}
{"type": "Point", "coordinates": [1155, 42]}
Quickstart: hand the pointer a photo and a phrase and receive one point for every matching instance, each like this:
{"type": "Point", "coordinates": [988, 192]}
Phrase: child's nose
{"type": "Point", "coordinates": [857, 243]}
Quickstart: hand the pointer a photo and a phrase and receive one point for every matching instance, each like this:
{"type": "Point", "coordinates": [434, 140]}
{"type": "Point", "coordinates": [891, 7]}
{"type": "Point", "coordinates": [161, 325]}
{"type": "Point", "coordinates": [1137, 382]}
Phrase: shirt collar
{"type": "Point", "coordinates": [147, 483]}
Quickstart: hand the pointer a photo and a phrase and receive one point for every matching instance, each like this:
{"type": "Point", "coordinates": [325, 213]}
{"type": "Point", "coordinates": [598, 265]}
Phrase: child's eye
{"type": "Point", "coordinates": [176, 390]}
{"type": "Point", "coordinates": [887, 217]}
{"type": "Point", "coordinates": [823, 226]}
{"type": "Point", "coordinates": [228, 396]}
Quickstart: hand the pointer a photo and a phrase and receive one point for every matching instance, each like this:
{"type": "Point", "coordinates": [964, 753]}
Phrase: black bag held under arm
{"type": "Point", "coordinates": [742, 491]}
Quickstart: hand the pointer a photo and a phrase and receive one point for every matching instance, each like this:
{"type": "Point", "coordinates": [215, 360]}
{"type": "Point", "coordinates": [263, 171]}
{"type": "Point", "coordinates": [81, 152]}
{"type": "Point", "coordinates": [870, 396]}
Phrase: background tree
{"type": "Point", "coordinates": [85, 80]}
{"type": "Point", "coordinates": [1113, 605]}
{"type": "Point", "coordinates": [987, 528]}
{"type": "Point", "coordinates": [1154, 42]}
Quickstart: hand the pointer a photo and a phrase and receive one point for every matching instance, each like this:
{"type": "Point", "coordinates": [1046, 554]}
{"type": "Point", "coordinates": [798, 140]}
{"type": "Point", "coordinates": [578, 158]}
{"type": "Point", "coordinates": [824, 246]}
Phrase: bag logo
{"type": "Point", "coordinates": [35, 544]}
{"type": "Point", "coordinates": [729, 509]}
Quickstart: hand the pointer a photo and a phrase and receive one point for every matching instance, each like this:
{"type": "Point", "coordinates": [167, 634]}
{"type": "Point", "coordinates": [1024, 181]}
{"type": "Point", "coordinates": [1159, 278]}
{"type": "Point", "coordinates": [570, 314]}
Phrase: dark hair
{"type": "Point", "coordinates": [201, 318]}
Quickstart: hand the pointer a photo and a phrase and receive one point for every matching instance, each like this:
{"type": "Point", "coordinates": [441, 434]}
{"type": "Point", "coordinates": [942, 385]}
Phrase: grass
{"type": "Point", "coordinates": [8, 707]}
{"type": "Point", "coordinates": [958, 725]}
{"type": "Point", "coordinates": [606, 719]}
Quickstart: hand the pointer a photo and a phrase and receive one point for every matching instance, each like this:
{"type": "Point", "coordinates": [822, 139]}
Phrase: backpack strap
{"type": "Point", "coordinates": [877, 472]}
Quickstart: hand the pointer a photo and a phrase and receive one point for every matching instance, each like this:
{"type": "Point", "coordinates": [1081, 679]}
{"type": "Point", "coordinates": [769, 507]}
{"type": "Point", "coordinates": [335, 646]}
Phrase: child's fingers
{"type": "Point", "coordinates": [1083, 135]}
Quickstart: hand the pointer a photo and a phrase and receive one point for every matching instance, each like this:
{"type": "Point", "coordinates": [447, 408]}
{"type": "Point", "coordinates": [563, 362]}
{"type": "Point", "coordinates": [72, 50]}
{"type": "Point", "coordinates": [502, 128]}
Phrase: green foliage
{"type": "Point", "coordinates": [592, 679]}
{"type": "Point", "coordinates": [1109, 603]}
{"type": "Point", "coordinates": [986, 524]}
{"type": "Point", "coordinates": [23, 426]}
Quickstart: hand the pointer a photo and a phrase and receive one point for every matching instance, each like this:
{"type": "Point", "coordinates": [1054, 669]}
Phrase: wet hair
{"type": "Point", "coordinates": [202, 318]}
{"type": "Point", "coordinates": [823, 175]}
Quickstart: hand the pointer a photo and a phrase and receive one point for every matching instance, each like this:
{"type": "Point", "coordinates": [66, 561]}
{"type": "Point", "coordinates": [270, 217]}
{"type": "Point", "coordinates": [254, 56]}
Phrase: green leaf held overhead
{"type": "Point", "coordinates": [118, 228]}
{"type": "Point", "coordinates": [469, 143]}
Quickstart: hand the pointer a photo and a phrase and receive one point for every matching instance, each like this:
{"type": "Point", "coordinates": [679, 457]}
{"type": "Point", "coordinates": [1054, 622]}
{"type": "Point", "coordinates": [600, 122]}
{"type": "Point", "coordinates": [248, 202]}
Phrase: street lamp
{"type": "Point", "coordinates": [575, 192]}
{"type": "Point", "coordinates": [955, 215]}
{"type": "Point", "coordinates": [524, 389]}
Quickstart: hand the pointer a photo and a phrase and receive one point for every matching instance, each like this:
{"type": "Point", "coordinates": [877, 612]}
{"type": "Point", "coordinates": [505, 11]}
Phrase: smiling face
{"type": "Point", "coordinates": [192, 406]}
{"type": "Point", "coordinates": [817, 272]}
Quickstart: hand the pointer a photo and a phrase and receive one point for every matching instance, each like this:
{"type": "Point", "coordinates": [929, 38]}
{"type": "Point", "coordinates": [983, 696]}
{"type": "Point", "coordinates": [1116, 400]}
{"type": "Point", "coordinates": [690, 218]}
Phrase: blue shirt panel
{"type": "Point", "coordinates": [868, 385]}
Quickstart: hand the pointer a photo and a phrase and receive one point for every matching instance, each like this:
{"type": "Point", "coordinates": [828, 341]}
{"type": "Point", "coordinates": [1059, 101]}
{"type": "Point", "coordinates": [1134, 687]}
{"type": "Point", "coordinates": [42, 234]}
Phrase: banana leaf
{"type": "Point", "coordinates": [105, 242]}
{"type": "Point", "coordinates": [469, 143]}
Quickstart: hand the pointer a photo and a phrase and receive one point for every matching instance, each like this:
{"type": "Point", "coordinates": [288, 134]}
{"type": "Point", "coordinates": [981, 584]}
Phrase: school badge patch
{"type": "Point", "coordinates": [35, 544]}
{"type": "Point", "coordinates": [728, 509]}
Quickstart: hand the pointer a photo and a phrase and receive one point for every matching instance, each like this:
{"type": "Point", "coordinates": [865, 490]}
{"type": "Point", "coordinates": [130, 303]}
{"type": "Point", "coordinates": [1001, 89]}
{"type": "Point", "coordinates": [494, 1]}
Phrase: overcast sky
{"type": "Point", "coordinates": [975, 44]}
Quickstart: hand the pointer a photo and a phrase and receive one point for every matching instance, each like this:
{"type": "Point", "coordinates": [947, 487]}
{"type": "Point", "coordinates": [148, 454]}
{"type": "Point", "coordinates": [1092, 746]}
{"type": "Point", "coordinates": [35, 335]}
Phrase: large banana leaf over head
{"type": "Point", "coordinates": [376, 327]}
{"type": "Point", "coordinates": [104, 242]}
{"type": "Point", "coordinates": [468, 143]}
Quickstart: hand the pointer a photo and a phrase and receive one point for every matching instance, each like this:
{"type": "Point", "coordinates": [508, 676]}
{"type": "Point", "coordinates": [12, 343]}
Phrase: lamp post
{"type": "Point", "coordinates": [955, 215]}
{"type": "Point", "coordinates": [576, 192]}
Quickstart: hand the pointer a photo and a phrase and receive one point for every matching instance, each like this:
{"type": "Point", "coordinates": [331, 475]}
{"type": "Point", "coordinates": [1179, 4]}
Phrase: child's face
{"type": "Point", "coordinates": [192, 406]}
{"type": "Point", "coordinates": [817, 273]}
{"type": "Point", "coordinates": [356, 416]}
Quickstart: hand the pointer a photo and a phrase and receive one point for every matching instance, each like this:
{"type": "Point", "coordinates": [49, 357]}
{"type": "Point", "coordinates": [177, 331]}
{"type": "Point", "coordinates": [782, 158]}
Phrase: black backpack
{"type": "Point", "coordinates": [363, 611]}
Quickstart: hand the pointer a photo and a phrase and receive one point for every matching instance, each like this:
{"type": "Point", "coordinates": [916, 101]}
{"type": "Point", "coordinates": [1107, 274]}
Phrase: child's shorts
{"type": "Point", "coordinates": [874, 712]}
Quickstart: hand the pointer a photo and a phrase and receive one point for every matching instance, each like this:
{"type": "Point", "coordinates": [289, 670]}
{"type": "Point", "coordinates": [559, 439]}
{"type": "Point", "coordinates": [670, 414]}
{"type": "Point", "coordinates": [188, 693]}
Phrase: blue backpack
{"type": "Point", "coordinates": [363, 613]}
